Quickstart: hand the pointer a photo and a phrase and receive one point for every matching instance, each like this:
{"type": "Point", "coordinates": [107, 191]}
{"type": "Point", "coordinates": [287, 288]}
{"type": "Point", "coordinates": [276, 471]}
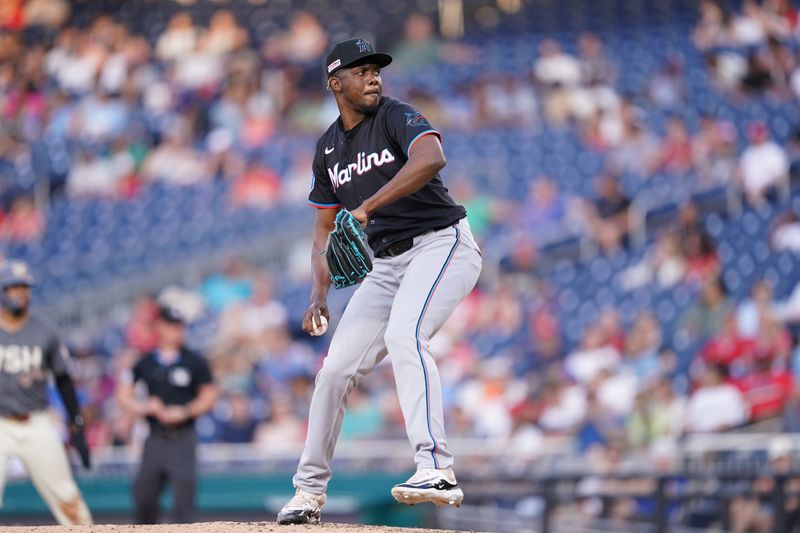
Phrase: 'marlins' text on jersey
{"type": "Point", "coordinates": [364, 163]}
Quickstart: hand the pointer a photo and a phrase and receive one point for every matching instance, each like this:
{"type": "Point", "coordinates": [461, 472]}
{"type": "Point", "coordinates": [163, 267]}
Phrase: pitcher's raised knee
{"type": "Point", "coordinates": [399, 338]}
{"type": "Point", "coordinates": [335, 377]}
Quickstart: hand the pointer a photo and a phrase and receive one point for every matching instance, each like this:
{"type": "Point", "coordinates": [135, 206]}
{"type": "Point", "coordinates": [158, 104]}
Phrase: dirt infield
{"type": "Point", "coordinates": [219, 527]}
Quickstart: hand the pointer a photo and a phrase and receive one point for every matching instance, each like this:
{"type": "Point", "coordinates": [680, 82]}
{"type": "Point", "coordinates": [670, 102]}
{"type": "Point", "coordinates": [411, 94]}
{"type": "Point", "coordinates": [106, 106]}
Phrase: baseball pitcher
{"type": "Point", "coordinates": [376, 173]}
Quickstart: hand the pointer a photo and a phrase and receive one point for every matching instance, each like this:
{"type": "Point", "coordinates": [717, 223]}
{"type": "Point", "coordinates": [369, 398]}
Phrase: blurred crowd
{"type": "Point", "coordinates": [114, 112]}
{"type": "Point", "coordinates": [117, 112]}
{"type": "Point", "coordinates": [750, 50]}
{"type": "Point", "coordinates": [507, 368]}
{"type": "Point", "coordinates": [100, 112]}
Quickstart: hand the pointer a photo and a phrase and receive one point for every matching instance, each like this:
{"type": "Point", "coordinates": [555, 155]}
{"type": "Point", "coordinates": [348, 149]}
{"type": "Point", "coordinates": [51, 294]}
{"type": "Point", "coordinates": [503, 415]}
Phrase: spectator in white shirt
{"type": "Point", "coordinates": [175, 160]}
{"type": "Point", "coordinates": [763, 166]}
{"type": "Point", "coordinates": [179, 39]}
{"type": "Point", "coordinates": [563, 406]}
{"type": "Point", "coordinates": [224, 34]}
{"type": "Point", "coordinates": [559, 73]}
{"type": "Point", "coordinates": [716, 405]}
{"type": "Point", "coordinates": [73, 62]}
{"type": "Point", "coordinates": [785, 232]}
{"type": "Point", "coordinates": [616, 391]}
{"type": "Point", "coordinates": [555, 66]}
{"type": "Point", "coordinates": [593, 355]}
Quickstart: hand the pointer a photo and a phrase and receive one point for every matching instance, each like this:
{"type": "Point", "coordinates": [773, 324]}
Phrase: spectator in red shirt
{"type": "Point", "coordinates": [728, 347]}
{"type": "Point", "coordinates": [24, 222]}
{"type": "Point", "coordinates": [676, 148]}
{"type": "Point", "coordinates": [11, 14]}
{"type": "Point", "coordinates": [774, 339]}
{"type": "Point", "coordinates": [610, 323]}
{"type": "Point", "coordinates": [25, 103]}
{"type": "Point", "coordinates": [97, 430]}
{"type": "Point", "coordinates": [766, 389]}
{"type": "Point", "coordinates": [140, 331]}
{"type": "Point", "coordinates": [546, 342]}
{"type": "Point", "coordinates": [259, 187]}
{"type": "Point", "coordinates": [702, 263]}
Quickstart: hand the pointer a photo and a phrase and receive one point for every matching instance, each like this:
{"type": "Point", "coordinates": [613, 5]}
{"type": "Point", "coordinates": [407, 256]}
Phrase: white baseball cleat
{"type": "Point", "coordinates": [437, 486]}
{"type": "Point", "coordinates": [303, 508]}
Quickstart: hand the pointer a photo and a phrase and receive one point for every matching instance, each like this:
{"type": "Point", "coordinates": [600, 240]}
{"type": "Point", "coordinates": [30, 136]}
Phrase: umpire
{"type": "Point", "coordinates": [179, 388]}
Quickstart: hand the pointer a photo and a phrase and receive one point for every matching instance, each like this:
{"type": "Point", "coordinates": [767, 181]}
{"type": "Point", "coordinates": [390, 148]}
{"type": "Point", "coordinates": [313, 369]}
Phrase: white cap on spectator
{"type": "Point", "coordinates": [779, 447]}
{"type": "Point", "coordinates": [219, 140]}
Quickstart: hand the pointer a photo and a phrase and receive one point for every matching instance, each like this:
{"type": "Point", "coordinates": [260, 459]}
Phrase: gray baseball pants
{"type": "Point", "coordinates": [397, 309]}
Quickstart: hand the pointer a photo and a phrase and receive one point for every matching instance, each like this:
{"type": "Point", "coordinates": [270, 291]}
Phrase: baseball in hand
{"type": "Point", "coordinates": [321, 328]}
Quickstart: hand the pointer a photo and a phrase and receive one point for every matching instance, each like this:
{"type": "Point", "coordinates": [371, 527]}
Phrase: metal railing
{"type": "Point", "coordinates": [552, 501]}
{"type": "Point", "coordinates": [91, 310]}
{"type": "Point", "coordinates": [552, 455]}
{"type": "Point", "coordinates": [643, 204]}
{"type": "Point", "coordinates": [360, 453]}
{"type": "Point", "coordinates": [718, 468]}
{"type": "Point", "coordinates": [543, 483]}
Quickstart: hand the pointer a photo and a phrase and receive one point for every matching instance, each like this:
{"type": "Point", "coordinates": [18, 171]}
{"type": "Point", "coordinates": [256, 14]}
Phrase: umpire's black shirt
{"type": "Point", "coordinates": [350, 166]}
{"type": "Point", "coordinates": [176, 383]}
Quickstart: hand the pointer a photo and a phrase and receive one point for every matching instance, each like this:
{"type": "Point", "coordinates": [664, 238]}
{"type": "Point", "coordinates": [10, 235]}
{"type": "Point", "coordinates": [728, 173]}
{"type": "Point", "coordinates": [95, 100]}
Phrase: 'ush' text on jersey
{"type": "Point", "coordinates": [350, 166]}
{"type": "Point", "coordinates": [27, 358]}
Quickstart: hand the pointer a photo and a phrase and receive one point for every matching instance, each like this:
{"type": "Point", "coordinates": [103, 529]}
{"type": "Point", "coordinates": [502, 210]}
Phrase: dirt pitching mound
{"type": "Point", "coordinates": [221, 527]}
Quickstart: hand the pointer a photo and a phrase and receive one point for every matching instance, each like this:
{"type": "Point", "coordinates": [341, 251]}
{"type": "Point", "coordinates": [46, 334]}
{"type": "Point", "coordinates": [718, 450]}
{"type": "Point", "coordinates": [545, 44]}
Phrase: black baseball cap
{"type": "Point", "coordinates": [169, 313]}
{"type": "Point", "coordinates": [351, 53]}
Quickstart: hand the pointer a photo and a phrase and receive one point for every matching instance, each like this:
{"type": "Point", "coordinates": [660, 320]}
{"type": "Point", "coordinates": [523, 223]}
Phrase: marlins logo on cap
{"type": "Point", "coordinates": [354, 52]}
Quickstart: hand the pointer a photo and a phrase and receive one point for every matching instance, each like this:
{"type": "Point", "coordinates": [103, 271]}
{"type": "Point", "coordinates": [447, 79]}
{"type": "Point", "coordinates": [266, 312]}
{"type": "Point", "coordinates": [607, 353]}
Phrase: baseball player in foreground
{"type": "Point", "coordinates": [380, 161]}
{"type": "Point", "coordinates": [30, 352]}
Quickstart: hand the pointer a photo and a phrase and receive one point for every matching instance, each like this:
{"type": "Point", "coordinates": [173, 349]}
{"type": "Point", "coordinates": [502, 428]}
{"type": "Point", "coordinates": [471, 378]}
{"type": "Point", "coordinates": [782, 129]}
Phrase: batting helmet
{"type": "Point", "coordinates": [13, 272]}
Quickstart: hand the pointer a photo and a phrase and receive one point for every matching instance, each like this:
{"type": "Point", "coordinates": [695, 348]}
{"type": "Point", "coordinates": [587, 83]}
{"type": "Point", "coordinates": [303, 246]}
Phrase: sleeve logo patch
{"type": "Point", "coordinates": [416, 119]}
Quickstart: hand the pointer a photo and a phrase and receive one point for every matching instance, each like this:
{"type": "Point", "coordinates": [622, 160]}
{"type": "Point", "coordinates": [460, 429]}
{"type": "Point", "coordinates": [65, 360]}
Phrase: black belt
{"type": "Point", "coordinates": [404, 245]}
{"type": "Point", "coordinates": [171, 432]}
{"type": "Point", "coordinates": [396, 248]}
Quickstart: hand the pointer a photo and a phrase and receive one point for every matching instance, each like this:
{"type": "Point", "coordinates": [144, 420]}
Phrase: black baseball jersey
{"type": "Point", "coordinates": [350, 166]}
{"type": "Point", "coordinates": [176, 383]}
{"type": "Point", "coordinates": [27, 358]}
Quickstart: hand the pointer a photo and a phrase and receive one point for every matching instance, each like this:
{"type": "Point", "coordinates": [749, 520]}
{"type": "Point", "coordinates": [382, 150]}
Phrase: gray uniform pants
{"type": "Point", "coordinates": [166, 458]}
{"type": "Point", "coordinates": [397, 309]}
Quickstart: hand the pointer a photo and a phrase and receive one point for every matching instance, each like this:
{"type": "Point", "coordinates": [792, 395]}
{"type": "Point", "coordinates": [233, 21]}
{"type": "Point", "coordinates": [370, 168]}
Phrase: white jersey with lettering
{"type": "Point", "coordinates": [28, 358]}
